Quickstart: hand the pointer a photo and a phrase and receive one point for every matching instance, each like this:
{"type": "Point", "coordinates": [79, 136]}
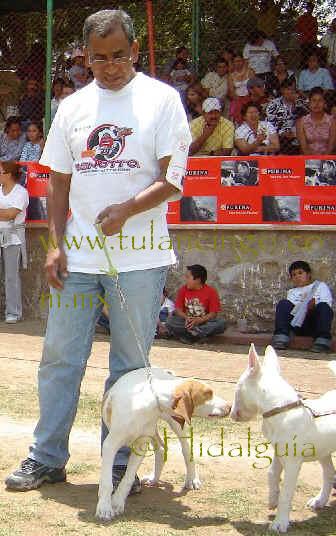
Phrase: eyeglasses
{"type": "Point", "coordinates": [116, 61]}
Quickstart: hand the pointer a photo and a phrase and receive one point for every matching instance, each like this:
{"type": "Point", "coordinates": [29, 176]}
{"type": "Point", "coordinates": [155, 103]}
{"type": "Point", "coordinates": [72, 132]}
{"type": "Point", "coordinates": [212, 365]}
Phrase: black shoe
{"type": "Point", "coordinates": [319, 348]}
{"type": "Point", "coordinates": [32, 474]}
{"type": "Point", "coordinates": [117, 475]}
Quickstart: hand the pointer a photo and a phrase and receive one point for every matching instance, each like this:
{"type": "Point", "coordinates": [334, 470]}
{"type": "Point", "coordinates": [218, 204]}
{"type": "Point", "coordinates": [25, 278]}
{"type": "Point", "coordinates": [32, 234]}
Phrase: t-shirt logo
{"type": "Point", "coordinates": [106, 142]}
{"type": "Point", "coordinates": [194, 307]}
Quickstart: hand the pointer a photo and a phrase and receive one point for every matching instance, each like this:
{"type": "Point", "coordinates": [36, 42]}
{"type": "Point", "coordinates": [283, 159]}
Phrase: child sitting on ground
{"type": "Point", "coordinates": [166, 310]}
{"type": "Point", "coordinates": [197, 305]}
{"type": "Point", "coordinates": [306, 311]}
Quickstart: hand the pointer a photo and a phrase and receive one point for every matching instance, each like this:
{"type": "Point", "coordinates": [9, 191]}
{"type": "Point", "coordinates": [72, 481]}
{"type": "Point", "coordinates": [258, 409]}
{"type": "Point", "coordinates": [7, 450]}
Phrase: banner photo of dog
{"type": "Point", "coordinates": [257, 190]}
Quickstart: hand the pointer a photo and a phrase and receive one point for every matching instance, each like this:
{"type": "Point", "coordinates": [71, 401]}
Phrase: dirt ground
{"type": "Point", "coordinates": [233, 497]}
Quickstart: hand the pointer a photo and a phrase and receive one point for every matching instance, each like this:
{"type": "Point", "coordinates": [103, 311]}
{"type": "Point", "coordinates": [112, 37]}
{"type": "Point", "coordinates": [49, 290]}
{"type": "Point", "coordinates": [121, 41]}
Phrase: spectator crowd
{"type": "Point", "coordinates": [251, 103]}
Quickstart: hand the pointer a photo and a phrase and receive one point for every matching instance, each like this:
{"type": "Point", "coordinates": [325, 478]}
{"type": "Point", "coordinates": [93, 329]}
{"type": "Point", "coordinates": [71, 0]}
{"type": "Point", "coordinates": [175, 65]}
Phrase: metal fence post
{"type": "Point", "coordinates": [195, 33]}
{"type": "Point", "coordinates": [47, 113]}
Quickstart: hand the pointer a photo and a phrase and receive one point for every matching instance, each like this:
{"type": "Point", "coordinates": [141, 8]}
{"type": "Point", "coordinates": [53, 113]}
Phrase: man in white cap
{"type": "Point", "coordinates": [212, 134]}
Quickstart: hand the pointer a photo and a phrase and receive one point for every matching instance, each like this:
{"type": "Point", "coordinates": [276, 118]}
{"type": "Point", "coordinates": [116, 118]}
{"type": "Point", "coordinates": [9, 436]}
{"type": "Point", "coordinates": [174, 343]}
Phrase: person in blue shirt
{"type": "Point", "coordinates": [32, 150]}
{"type": "Point", "coordinates": [315, 75]}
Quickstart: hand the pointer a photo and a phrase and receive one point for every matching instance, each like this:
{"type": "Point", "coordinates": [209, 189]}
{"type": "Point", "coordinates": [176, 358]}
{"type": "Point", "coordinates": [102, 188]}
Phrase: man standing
{"type": "Point", "coordinates": [328, 42]}
{"type": "Point", "coordinates": [307, 28]}
{"type": "Point", "coordinates": [117, 150]}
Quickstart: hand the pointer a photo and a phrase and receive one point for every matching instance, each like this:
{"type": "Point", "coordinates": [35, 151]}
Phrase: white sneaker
{"type": "Point", "coordinates": [11, 319]}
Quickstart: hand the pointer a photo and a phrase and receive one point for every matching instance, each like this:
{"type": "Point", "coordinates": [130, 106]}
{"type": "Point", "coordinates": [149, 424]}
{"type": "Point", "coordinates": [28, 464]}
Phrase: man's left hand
{"type": "Point", "coordinates": [113, 218]}
{"type": "Point", "coordinates": [193, 321]}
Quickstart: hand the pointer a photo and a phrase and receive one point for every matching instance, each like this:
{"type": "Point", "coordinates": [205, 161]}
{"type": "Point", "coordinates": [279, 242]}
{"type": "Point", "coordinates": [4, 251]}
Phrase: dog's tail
{"type": "Point", "coordinates": [332, 366]}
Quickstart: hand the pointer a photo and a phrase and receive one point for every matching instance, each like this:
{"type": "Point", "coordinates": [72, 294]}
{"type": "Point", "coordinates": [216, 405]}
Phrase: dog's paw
{"type": "Point", "coordinates": [150, 480]}
{"type": "Point", "coordinates": [279, 525]}
{"type": "Point", "coordinates": [104, 511]}
{"type": "Point", "coordinates": [117, 505]}
{"type": "Point", "coordinates": [192, 483]}
{"type": "Point", "coordinates": [273, 503]}
{"type": "Point", "coordinates": [316, 503]}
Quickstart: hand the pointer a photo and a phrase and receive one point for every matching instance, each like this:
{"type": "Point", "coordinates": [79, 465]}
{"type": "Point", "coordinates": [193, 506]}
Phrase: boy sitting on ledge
{"type": "Point", "coordinates": [306, 311]}
{"type": "Point", "coordinates": [197, 305]}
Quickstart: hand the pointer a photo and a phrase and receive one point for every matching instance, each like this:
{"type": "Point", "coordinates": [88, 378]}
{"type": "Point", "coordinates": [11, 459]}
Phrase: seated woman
{"type": "Point", "coordinates": [279, 74]}
{"type": "Point", "coordinates": [12, 140]}
{"type": "Point", "coordinates": [180, 77]}
{"type": "Point", "coordinates": [13, 205]}
{"type": "Point", "coordinates": [195, 95]}
{"type": "Point", "coordinates": [32, 150]}
{"type": "Point", "coordinates": [316, 131]}
{"type": "Point", "coordinates": [314, 75]}
{"type": "Point", "coordinates": [237, 83]}
{"type": "Point", "coordinates": [255, 137]}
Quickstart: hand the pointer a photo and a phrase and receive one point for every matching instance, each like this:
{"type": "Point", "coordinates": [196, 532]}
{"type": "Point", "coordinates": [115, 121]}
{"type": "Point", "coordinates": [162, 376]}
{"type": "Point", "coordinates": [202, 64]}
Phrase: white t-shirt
{"type": "Point", "coordinates": [245, 132]}
{"type": "Point", "coordinates": [217, 85]}
{"type": "Point", "coordinates": [329, 41]}
{"type": "Point", "coordinates": [17, 198]}
{"type": "Point", "coordinates": [299, 294]}
{"type": "Point", "coordinates": [260, 56]}
{"type": "Point", "coordinates": [111, 142]}
{"type": "Point", "coordinates": [169, 305]}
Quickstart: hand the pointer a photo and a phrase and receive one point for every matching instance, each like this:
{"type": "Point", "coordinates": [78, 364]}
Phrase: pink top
{"type": "Point", "coordinates": [317, 134]}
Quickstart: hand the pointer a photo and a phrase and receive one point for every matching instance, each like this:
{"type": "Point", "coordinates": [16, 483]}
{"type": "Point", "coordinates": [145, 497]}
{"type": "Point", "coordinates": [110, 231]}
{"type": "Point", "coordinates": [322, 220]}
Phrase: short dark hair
{"type": "Point", "coordinates": [12, 120]}
{"type": "Point", "coordinates": [180, 49]}
{"type": "Point", "coordinates": [105, 22]}
{"type": "Point", "coordinates": [179, 61]}
{"type": "Point", "coordinates": [316, 91]}
{"type": "Point", "coordinates": [58, 80]}
{"type": "Point", "coordinates": [38, 124]}
{"type": "Point", "coordinates": [299, 265]}
{"type": "Point", "coordinates": [198, 272]}
{"type": "Point", "coordinates": [221, 60]}
{"type": "Point", "coordinates": [13, 168]}
{"type": "Point", "coordinates": [288, 83]}
{"type": "Point", "coordinates": [255, 35]}
{"type": "Point", "coordinates": [248, 105]}
{"type": "Point", "coordinates": [68, 83]}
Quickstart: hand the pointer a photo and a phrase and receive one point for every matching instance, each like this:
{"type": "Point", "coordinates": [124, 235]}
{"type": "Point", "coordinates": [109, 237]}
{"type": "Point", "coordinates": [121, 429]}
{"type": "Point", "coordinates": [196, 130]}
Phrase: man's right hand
{"type": "Point", "coordinates": [56, 267]}
{"type": "Point", "coordinates": [208, 129]}
{"type": "Point", "coordinates": [261, 137]}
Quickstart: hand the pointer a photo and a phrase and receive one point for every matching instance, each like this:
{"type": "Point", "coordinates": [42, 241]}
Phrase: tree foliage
{"type": "Point", "coordinates": [222, 22]}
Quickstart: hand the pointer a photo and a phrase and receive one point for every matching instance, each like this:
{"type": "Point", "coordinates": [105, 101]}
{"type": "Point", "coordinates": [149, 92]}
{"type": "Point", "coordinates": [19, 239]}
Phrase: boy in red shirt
{"type": "Point", "coordinates": [196, 308]}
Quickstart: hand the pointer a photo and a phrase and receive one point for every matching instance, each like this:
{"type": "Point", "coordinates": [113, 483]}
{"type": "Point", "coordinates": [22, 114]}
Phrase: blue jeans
{"type": "Point", "coordinates": [317, 323]}
{"type": "Point", "coordinates": [68, 342]}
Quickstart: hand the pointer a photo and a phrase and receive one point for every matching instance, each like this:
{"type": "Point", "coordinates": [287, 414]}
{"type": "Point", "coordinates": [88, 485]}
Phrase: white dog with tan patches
{"type": "Point", "coordinates": [306, 427]}
{"type": "Point", "coordinates": [131, 410]}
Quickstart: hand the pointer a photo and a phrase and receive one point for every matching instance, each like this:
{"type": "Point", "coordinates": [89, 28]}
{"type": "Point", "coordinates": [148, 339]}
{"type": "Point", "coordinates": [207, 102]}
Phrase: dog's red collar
{"type": "Point", "coordinates": [282, 409]}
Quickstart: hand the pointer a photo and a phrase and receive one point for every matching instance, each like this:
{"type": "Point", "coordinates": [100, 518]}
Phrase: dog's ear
{"type": "Point", "coordinates": [200, 392]}
{"type": "Point", "coordinates": [271, 361]}
{"type": "Point", "coordinates": [253, 361]}
{"type": "Point", "coordinates": [183, 406]}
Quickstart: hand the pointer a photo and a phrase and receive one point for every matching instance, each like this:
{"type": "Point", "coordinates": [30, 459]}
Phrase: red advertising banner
{"type": "Point", "coordinates": [36, 179]}
{"type": "Point", "coordinates": [255, 190]}
{"type": "Point", "coordinates": [258, 190]}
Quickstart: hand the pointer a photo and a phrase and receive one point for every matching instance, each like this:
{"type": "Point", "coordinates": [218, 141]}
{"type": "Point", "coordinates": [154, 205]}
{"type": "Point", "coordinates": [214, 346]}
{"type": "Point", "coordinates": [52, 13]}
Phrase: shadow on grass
{"type": "Point", "coordinates": [159, 505]}
{"type": "Point", "coordinates": [323, 524]}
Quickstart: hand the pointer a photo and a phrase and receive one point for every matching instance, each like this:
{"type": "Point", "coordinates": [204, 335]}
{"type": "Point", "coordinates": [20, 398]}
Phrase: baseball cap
{"type": "Point", "coordinates": [255, 82]}
{"type": "Point", "coordinates": [210, 104]}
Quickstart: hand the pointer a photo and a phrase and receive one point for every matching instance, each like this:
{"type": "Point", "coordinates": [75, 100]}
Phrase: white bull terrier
{"type": "Point", "coordinates": [290, 426]}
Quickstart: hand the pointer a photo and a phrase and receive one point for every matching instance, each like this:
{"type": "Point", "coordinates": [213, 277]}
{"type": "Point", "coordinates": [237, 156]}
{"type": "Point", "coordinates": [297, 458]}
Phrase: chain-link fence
{"type": "Point", "coordinates": [227, 43]}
